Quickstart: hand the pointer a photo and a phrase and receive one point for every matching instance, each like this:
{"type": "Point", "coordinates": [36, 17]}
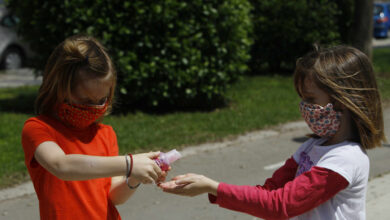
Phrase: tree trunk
{"type": "Point", "coordinates": [361, 31]}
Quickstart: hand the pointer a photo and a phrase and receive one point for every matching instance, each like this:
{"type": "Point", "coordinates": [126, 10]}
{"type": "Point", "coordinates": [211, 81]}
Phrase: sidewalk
{"type": "Point", "coordinates": [378, 198]}
{"type": "Point", "coordinates": [19, 77]}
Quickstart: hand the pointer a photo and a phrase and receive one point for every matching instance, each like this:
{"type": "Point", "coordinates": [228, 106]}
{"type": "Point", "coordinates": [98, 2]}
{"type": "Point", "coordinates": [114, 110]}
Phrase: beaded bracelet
{"type": "Point", "coordinates": [129, 173]}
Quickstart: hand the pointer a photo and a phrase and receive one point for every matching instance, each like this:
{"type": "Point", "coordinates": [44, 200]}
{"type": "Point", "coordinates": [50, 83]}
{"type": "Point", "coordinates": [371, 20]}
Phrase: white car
{"type": "Point", "coordinates": [13, 52]}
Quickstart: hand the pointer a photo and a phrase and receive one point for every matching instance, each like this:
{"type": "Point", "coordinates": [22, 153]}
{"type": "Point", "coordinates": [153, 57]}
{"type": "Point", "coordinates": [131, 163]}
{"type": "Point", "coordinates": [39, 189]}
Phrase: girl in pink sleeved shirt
{"type": "Point", "coordinates": [326, 178]}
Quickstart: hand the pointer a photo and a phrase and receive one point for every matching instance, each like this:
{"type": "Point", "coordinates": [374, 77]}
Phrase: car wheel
{"type": "Point", "coordinates": [12, 59]}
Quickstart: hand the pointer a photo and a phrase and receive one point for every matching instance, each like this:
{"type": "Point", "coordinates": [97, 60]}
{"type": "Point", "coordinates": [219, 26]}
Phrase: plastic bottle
{"type": "Point", "coordinates": [165, 159]}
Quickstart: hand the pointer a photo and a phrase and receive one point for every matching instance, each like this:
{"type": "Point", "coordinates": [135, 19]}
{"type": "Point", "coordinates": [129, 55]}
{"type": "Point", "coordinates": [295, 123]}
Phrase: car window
{"type": "Point", "coordinates": [9, 21]}
{"type": "Point", "coordinates": [378, 9]}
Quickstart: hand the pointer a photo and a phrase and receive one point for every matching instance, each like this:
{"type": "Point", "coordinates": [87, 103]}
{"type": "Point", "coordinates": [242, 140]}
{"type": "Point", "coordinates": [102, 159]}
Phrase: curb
{"type": "Point", "coordinates": [23, 189]}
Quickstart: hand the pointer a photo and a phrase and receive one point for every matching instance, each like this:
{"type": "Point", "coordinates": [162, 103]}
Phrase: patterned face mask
{"type": "Point", "coordinates": [323, 121]}
{"type": "Point", "coordinates": [81, 116]}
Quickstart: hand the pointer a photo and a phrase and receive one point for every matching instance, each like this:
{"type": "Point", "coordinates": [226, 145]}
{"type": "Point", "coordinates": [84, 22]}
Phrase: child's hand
{"type": "Point", "coordinates": [163, 176]}
{"type": "Point", "coordinates": [145, 168]}
{"type": "Point", "coordinates": [190, 185]}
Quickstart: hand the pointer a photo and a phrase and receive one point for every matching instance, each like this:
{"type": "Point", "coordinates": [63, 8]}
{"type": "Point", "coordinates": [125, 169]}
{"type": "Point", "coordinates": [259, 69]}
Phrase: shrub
{"type": "Point", "coordinates": [285, 30]}
{"type": "Point", "coordinates": [167, 52]}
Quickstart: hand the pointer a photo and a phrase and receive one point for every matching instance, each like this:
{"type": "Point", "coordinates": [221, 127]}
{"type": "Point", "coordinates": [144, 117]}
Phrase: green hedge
{"type": "Point", "coordinates": [285, 30]}
{"type": "Point", "coordinates": [167, 52]}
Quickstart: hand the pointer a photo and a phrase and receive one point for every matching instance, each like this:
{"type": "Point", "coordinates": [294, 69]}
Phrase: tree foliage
{"type": "Point", "coordinates": [167, 52]}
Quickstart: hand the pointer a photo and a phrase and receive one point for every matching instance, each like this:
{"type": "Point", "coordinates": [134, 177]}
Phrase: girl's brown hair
{"type": "Point", "coordinates": [62, 71]}
{"type": "Point", "coordinates": [346, 74]}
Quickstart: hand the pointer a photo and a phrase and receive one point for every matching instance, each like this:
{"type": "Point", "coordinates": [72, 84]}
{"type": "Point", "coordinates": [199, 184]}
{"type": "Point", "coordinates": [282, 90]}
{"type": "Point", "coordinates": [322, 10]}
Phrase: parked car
{"type": "Point", "coordinates": [381, 20]}
{"type": "Point", "coordinates": [13, 51]}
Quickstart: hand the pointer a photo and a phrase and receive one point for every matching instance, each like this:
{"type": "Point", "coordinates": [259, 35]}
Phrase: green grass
{"type": "Point", "coordinates": [381, 61]}
{"type": "Point", "coordinates": [252, 106]}
{"type": "Point", "coordinates": [381, 58]}
{"type": "Point", "coordinates": [254, 103]}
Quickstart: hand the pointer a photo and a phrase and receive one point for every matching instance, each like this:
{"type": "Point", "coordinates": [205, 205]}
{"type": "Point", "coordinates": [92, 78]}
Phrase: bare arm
{"type": "Point", "coordinates": [120, 192]}
{"type": "Point", "coordinates": [85, 167]}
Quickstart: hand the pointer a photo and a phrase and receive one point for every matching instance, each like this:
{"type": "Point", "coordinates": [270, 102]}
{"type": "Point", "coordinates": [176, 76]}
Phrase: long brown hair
{"type": "Point", "coordinates": [346, 74]}
{"type": "Point", "coordinates": [62, 71]}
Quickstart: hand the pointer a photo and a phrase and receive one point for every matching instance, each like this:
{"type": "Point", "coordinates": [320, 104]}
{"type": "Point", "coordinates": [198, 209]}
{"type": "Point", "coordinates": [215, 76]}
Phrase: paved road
{"type": "Point", "coordinates": [247, 160]}
{"type": "Point", "coordinates": [19, 77]}
{"type": "Point", "coordinates": [376, 43]}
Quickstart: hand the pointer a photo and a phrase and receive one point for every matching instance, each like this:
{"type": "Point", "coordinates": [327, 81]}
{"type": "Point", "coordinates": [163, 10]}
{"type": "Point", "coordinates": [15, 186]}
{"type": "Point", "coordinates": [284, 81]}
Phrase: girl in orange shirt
{"type": "Point", "coordinates": [71, 157]}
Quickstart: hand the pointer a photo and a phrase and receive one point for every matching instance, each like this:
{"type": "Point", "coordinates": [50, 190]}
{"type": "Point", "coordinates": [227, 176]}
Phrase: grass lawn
{"type": "Point", "coordinates": [254, 103]}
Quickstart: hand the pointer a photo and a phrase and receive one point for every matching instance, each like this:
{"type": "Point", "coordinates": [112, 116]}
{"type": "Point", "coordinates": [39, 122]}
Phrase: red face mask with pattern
{"type": "Point", "coordinates": [81, 116]}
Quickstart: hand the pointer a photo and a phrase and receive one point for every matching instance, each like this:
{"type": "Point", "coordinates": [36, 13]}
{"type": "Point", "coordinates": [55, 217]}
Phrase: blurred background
{"type": "Point", "coordinates": [189, 72]}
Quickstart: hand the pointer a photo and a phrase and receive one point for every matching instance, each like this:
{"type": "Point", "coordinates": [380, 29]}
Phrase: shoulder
{"type": "Point", "coordinates": [349, 160]}
{"type": "Point", "coordinates": [36, 123]}
{"type": "Point", "coordinates": [349, 151]}
{"type": "Point", "coordinates": [106, 131]}
{"type": "Point", "coordinates": [104, 128]}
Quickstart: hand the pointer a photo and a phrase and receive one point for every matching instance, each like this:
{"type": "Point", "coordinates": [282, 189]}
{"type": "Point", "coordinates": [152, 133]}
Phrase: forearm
{"type": "Point", "coordinates": [298, 196]}
{"type": "Point", "coordinates": [120, 192]}
{"type": "Point", "coordinates": [84, 167]}
{"type": "Point", "coordinates": [282, 175]}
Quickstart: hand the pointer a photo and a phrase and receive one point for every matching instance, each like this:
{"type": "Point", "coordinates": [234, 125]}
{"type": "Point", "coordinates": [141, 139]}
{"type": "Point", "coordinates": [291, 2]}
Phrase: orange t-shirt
{"type": "Point", "coordinates": [69, 200]}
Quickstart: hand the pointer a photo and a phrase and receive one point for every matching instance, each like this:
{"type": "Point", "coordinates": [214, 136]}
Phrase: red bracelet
{"type": "Point", "coordinates": [131, 165]}
{"type": "Point", "coordinates": [127, 178]}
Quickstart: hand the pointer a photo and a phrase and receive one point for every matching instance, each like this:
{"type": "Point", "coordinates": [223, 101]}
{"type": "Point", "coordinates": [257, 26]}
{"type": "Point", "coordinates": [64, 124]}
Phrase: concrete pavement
{"type": "Point", "coordinates": [19, 77]}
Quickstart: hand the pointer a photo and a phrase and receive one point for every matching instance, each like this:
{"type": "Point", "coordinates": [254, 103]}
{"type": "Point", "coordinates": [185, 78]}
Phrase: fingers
{"type": "Point", "coordinates": [183, 190]}
{"type": "Point", "coordinates": [147, 180]}
{"type": "Point", "coordinates": [162, 177]}
{"type": "Point", "coordinates": [153, 172]}
{"type": "Point", "coordinates": [168, 185]}
{"type": "Point", "coordinates": [157, 169]}
{"type": "Point", "coordinates": [145, 168]}
{"type": "Point", "coordinates": [152, 155]}
{"type": "Point", "coordinates": [185, 180]}
{"type": "Point", "coordinates": [183, 176]}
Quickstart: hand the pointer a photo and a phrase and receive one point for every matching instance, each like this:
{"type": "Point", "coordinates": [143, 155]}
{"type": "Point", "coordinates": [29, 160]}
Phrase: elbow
{"type": "Point", "coordinates": [117, 201]}
{"type": "Point", "coordinates": [60, 170]}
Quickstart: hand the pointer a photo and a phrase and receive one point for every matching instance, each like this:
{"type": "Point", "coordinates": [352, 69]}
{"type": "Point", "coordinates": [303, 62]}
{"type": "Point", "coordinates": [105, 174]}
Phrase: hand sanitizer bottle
{"type": "Point", "coordinates": [165, 159]}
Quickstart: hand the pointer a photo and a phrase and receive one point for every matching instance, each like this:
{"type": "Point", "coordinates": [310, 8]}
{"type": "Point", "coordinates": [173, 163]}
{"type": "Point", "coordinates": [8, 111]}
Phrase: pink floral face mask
{"type": "Point", "coordinates": [323, 121]}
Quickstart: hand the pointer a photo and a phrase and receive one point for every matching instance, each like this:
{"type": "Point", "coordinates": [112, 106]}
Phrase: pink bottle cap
{"type": "Point", "coordinates": [172, 156]}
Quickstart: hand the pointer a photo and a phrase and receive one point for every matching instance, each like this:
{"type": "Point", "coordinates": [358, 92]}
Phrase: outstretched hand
{"type": "Point", "coordinates": [190, 185]}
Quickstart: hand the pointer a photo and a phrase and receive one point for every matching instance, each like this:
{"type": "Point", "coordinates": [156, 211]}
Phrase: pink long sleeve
{"type": "Point", "coordinates": [300, 195]}
{"type": "Point", "coordinates": [282, 175]}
